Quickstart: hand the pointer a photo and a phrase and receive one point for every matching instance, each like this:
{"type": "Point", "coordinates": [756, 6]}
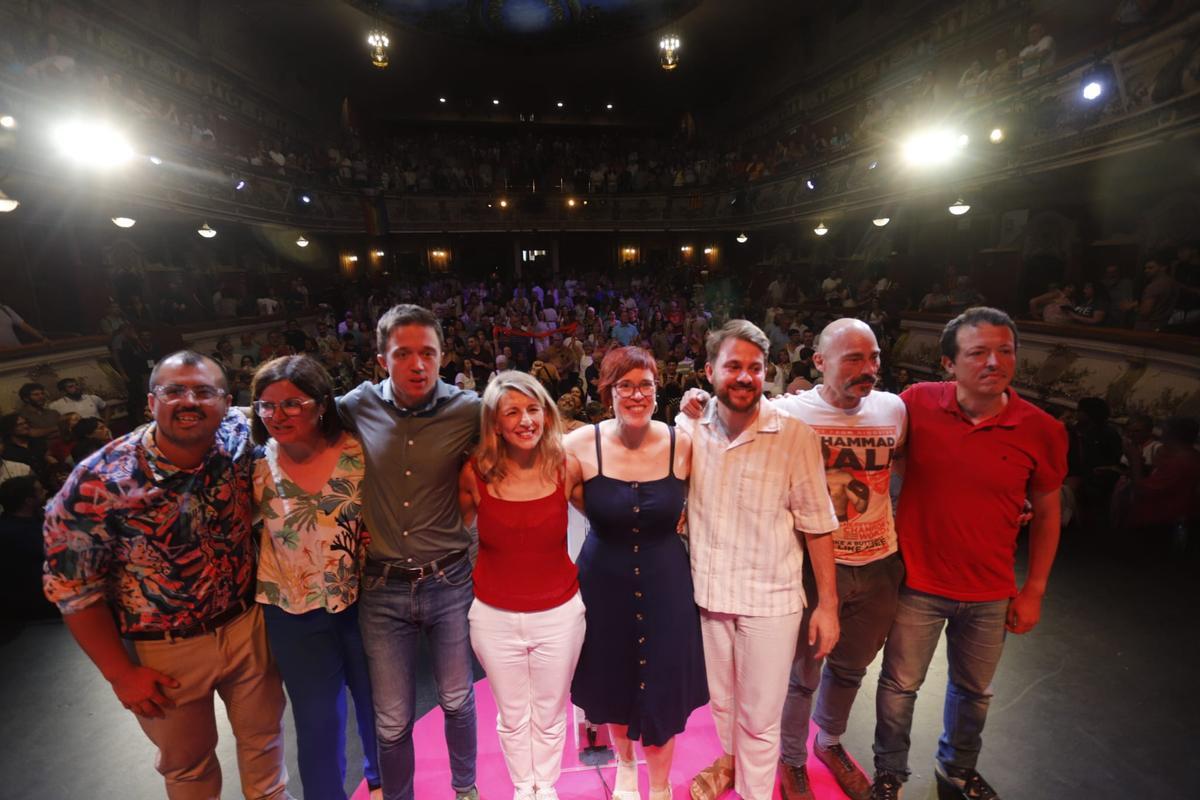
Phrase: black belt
{"type": "Point", "coordinates": [386, 569]}
{"type": "Point", "coordinates": [207, 626]}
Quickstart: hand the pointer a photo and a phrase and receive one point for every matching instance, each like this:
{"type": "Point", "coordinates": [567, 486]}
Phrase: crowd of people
{"type": "Point", "coordinates": [319, 532]}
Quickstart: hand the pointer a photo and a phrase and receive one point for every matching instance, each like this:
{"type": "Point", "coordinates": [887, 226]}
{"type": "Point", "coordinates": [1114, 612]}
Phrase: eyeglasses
{"type": "Point", "coordinates": [292, 407]}
{"type": "Point", "coordinates": [172, 394]}
{"type": "Point", "coordinates": [625, 389]}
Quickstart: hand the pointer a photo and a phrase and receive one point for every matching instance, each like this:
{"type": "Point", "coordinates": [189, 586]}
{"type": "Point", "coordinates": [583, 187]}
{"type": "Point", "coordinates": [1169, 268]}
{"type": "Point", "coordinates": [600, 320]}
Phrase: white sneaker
{"type": "Point", "coordinates": [545, 793]}
{"type": "Point", "coordinates": [524, 794]}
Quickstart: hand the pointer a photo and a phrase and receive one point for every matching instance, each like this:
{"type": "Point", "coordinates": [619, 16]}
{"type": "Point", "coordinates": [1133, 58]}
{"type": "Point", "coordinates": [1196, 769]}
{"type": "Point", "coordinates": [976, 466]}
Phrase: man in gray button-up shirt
{"type": "Point", "coordinates": [416, 432]}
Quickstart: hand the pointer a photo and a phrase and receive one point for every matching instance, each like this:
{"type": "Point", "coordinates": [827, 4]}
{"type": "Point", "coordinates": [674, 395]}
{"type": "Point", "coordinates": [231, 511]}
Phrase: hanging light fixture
{"type": "Point", "coordinates": [820, 230]}
{"type": "Point", "coordinates": [124, 222]}
{"type": "Point", "coordinates": [668, 51]}
{"type": "Point", "coordinates": [742, 238]}
{"type": "Point", "coordinates": [379, 48]}
{"type": "Point", "coordinates": [881, 221]}
{"type": "Point", "coordinates": [958, 207]}
{"type": "Point", "coordinates": [302, 242]}
{"type": "Point", "coordinates": [7, 204]}
{"type": "Point", "coordinates": [205, 231]}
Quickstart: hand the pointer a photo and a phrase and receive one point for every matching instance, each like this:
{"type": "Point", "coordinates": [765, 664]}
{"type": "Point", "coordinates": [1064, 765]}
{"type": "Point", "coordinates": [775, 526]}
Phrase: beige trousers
{"type": "Point", "coordinates": [748, 661]}
{"type": "Point", "coordinates": [235, 662]}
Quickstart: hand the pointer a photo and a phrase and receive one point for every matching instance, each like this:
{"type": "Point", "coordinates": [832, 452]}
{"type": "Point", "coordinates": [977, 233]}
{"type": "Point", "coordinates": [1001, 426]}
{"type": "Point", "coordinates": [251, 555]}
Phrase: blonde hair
{"type": "Point", "coordinates": [489, 454]}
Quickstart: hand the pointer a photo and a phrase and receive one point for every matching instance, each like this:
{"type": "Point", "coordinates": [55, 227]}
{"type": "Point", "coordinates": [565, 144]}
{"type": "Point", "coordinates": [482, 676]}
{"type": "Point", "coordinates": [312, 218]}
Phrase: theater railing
{"type": "Point", "coordinates": [858, 179]}
{"type": "Point", "coordinates": [1153, 373]}
{"type": "Point", "coordinates": [89, 360]}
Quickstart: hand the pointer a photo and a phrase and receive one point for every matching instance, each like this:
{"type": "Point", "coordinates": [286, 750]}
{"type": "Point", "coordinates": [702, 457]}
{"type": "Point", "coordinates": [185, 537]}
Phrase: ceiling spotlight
{"type": "Point", "coordinates": [811, 183]}
{"type": "Point", "coordinates": [495, 101]}
{"type": "Point", "coordinates": [668, 52]}
{"type": "Point", "coordinates": [687, 248]}
{"type": "Point", "coordinates": [378, 253]}
{"type": "Point", "coordinates": [92, 144]}
{"type": "Point", "coordinates": [609, 106]}
{"type": "Point", "coordinates": [441, 99]}
{"type": "Point", "coordinates": [708, 251]}
{"type": "Point", "coordinates": [873, 165]}
{"type": "Point", "coordinates": [7, 204]}
{"type": "Point", "coordinates": [306, 199]}
{"type": "Point", "coordinates": [996, 136]}
{"type": "Point", "coordinates": [820, 230]}
{"type": "Point", "coordinates": [379, 48]}
{"type": "Point", "coordinates": [1096, 81]}
{"type": "Point", "coordinates": [742, 238]}
{"type": "Point", "coordinates": [352, 259]}
{"type": "Point", "coordinates": [301, 242]}
{"type": "Point", "coordinates": [559, 104]}
{"type": "Point", "coordinates": [958, 208]}
{"type": "Point", "coordinates": [241, 184]}
{"type": "Point", "coordinates": [124, 222]}
{"type": "Point", "coordinates": [1092, 90]}
{"type": "Point", "coordinates": [879, 222]}
{"type": "Point", "coordinates": [571, 202]}
{"type": "Point", "coordinates": [8, 121]}
{"type": "Point", "coordinates": [933, 147]}
{"type": "Point", "coordinates": [156, 161]}
{"type": "Point", "coordinates": [504, 204]}
{"type": "Point", "coordinates": [205, 231]}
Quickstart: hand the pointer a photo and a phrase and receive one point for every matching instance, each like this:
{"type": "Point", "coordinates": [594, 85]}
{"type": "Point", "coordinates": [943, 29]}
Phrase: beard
{"type": "Point", "coordinates": [725, 398]}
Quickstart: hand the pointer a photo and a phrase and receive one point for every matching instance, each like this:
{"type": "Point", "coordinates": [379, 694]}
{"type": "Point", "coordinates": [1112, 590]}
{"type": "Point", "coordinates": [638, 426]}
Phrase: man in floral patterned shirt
{"type": "Point", "coordinates": [150, 558]}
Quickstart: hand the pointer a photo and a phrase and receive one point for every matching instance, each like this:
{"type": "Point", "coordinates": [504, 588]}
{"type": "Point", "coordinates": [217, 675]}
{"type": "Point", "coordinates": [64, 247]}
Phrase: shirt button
{"type": "Point", "coordinates": [634, 485]}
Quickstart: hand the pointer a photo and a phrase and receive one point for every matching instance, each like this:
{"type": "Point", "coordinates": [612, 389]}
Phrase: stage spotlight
{"type": "Point", "coordinates": [378, 253]}
{"type": "Point", "coordinates": [958, 207]}
{"type": "Point", "coordinates": [609, 106]}
{"type": "Point", "coordinates": [7, 204]}
{"type": "Point", "coordinates": [742, 238]}
{"type": "Point", "coordinates": [570, 202]}
{"type": "Point", "coordinates": [820, 230]}
{"type": "Point", "coordinates": [306, 199]}
{"type": "Point", "coordinates": [933, 147]}
{"type": "Point", "coordinates": [441, 99]}
{"type": "Point", "coordinates": [8, 121]}
{"type": "Point", "coordinates": [811, 183]}
{"type": "Point", "coordinates": [124, 222]}
{"type": "Point", "coordinates": [205, 231]}
{"type": "Point", "coordinates": [504, 204]}
{"type": "Point", "coordinates": [92, 144]}
{"type": "Point", "coordinates": [495, 102]}
{"type": "Point", "coordinates": [352, 259]}
{"type": "Point", "coordinates": [302, 242]}
{"type": "Point", "coordinates": [879, 222]}
{"type": "Point", "coordinates": [559, 104]}
{"type": "Point", "coordinates": [1092, 90]}
{"type": "Point", "coordinates": [156, 161]}
{"type": "Point", "coordinates": [241, 184]}
{"type": "Point", "coordinates": [997, 135]}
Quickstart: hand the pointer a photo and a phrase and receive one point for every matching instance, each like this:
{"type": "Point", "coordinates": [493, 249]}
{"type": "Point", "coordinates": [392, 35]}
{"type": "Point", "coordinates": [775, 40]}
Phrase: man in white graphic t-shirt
{"type": "Point", "coordinates": [861, 431]}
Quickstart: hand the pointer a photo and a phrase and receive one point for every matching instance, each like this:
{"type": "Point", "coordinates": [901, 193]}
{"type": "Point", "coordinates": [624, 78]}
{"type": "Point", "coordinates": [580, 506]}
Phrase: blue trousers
{"type": "Point", "coordinates": [320, 655]}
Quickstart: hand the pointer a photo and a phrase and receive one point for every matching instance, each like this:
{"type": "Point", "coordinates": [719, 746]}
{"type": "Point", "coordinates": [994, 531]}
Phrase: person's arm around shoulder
{"type": "Point", "coordinates": [468, 493]}
{"type": "Point", "coordinates": [813, 515]}
{"type": "Point", "coordinates": [573, 446]}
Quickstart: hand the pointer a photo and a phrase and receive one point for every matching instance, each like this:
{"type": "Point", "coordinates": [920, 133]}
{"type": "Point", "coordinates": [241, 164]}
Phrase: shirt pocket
{"type": "Point", "coordinates": [758, 491]}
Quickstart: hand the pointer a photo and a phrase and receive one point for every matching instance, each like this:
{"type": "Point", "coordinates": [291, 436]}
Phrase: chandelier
{"type": "Point", "coordinates": [379, 48]}
{"type": "Point", "coordinates": [668, 55]}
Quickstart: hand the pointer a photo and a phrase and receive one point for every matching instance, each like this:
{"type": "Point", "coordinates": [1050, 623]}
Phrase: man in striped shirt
{"type": "Point", "coordinates": [758, 486]}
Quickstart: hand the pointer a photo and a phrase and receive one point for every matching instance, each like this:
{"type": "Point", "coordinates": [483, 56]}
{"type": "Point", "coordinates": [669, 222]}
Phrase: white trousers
{"type": "Point", "coordinates": [748, 661]}
{"type": "Point", "coordinates": [530, 658]}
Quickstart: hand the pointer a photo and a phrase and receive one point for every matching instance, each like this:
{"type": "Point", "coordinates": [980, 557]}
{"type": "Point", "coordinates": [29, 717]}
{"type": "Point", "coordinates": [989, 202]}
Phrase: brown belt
{"type": "Point", "coordinates": [207, 626]}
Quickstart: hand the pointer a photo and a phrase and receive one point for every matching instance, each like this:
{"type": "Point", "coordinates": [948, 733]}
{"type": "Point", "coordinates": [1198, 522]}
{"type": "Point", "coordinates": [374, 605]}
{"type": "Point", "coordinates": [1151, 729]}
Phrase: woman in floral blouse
{"type": "Point", "coordinates": [308, 509]}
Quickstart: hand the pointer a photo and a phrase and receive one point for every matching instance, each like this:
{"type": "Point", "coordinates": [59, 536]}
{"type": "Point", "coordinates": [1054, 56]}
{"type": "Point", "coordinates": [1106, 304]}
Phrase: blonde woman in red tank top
{"type": "Point", "coordinates": [527, 620]}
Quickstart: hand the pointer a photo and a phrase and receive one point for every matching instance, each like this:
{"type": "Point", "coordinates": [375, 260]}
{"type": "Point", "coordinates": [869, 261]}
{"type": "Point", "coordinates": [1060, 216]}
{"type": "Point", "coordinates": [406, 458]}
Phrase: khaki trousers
{"type": "Point", "coordinates": [235, 662]}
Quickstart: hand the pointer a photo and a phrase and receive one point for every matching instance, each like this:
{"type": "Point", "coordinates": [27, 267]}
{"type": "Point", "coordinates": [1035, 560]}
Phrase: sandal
{"type": "Point", "coordinates": [714, 780]}
{"type": "Point", "coordinates": [626, 787]}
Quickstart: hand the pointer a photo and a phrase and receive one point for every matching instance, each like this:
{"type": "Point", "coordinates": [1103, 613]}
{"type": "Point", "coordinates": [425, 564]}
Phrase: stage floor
{"type": "Point", "coordinates": [1099, 703]}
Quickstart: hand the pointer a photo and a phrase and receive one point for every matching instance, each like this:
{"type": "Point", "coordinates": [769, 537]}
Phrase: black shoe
{"type": "Point", "coordinates": [956, 783]}
{"type": "Point", "coordinates": [886, 787]}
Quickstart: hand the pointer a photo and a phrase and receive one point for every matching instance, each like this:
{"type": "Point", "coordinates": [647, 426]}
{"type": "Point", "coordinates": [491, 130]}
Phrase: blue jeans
{"type": "Point", "coordinates": [866, 609]}
{"type": "Point", "coordinates": [392, 615]}
{"type": "Point", "coordinates": [320, 655]}
{"type": "Point", "coordinates": [974, 641]}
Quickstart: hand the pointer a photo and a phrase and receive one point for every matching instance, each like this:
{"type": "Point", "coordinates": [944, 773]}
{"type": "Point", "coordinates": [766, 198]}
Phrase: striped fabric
{"type": "Point", "coordinates": [747, 500]}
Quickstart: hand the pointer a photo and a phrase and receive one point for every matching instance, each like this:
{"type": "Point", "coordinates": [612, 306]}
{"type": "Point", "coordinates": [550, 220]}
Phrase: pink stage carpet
{"type": "Point", "coordinates": [695, 749]}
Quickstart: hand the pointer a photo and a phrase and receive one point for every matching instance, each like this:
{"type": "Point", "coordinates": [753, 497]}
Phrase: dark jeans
{"type": "Point", "coordinates": [320, 655]}
{"type": "Point", "coordinates": [392, 615]}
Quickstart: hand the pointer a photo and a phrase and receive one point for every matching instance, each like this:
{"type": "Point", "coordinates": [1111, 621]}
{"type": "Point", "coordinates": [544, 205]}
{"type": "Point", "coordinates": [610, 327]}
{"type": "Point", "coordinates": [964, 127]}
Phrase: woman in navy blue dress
{"type": "Point", "coordinates": [642, 666]}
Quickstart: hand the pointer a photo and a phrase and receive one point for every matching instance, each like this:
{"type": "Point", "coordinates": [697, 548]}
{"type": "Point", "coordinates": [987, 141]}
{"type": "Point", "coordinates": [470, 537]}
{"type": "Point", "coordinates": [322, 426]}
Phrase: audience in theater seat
{"type": "Point", "coordinates": [1159, 295]}
{"type": "Point", "coordinates": [1169, 493]}
{"type": "Point", "coordinates": [1037, 57]}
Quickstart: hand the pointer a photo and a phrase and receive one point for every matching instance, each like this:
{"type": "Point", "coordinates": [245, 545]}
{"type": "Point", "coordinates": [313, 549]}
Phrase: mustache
{"type": "Point", "coordinates": [864, 379]}
{"type": "Point", "coordinates": [194, 410]}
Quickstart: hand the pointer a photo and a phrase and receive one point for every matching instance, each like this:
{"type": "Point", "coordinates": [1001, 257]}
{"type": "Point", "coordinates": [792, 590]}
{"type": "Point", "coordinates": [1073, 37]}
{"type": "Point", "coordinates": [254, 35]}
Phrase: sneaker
{"type": "Point", "coordinates": [854, 781]}
{"type": "Point", "coordinates": [793, 782]}
{"type": "Point", "coordinates": [466, 794]}
{"type": "Point", "coordinates": [524, 794]}
{"type": "Point", "coordinates": [886, 787]}
{"type": "Point", "coordinates": [957, 783]}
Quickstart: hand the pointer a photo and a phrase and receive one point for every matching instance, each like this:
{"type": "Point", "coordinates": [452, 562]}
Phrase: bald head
{"type": "Point", "coordinates": [839, 332]}
{"type": "Point", "coordinates": [848, 359]}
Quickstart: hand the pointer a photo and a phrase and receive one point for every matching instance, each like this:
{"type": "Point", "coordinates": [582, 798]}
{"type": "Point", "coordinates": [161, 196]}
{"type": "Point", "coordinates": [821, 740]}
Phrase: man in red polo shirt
{"type": "Point", "coordinates": [976, 451]}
